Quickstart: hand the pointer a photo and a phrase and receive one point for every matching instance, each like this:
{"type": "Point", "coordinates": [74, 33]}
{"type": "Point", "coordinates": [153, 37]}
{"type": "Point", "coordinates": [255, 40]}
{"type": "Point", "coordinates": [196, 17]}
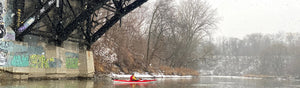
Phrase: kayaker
{"type": "Point", "coordinates": [132, 77]}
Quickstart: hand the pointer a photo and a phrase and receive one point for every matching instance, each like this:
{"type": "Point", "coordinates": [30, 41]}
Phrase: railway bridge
{"type": "Point", "coordinates": [52, 38]}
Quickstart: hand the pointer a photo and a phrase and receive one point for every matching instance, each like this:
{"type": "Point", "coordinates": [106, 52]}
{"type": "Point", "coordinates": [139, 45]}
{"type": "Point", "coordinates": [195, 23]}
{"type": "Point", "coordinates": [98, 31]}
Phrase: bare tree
{"type": "Point", "coordinates": [122, 46]}
{"type": "Point", "coordinates": [160, 22]}
{"type": "Point", "coordinates": [174, 36]}
{"type": "Point", "coordinates": [194, 20]}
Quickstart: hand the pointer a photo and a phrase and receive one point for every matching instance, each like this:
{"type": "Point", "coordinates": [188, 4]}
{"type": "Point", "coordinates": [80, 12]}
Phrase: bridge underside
{"type": "Point", "coordinates": [82, 21]}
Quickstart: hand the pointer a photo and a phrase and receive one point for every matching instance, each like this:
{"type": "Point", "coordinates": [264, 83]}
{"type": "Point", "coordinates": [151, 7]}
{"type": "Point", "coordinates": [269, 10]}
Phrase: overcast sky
{"type": "Point", "coordinates": [242, 17]}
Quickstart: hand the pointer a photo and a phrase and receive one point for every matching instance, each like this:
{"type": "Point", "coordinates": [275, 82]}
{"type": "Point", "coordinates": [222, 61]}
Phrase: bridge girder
{"type": "Point", "coordinates": [72, 20]}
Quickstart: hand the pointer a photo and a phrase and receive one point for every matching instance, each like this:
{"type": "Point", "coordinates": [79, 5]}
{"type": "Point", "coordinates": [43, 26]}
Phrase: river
{"type": "Point", "coordinates": [199, 82]}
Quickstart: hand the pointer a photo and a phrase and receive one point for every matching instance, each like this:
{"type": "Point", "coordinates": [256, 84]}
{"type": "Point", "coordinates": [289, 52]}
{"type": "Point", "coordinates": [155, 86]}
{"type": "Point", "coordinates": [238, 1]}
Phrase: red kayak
{"type": "Point", "coordinates": [139, 81]}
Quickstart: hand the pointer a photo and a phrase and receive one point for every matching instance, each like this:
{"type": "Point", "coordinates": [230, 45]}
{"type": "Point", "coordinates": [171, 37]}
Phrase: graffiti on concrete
{"type": "Point", "coordinates": [35, 50]}
{"type": "Point", "coordinates": [72, 63]}
{"type": "Point", "coordinates": [26, 24]}
{"type": "Point", "coordinates": [3, 57]}
{"type": "Point", "coordinates": [16, 48]}
{"type": "Point", "coordinates": [10, 35]}
{"type": "Point", "coordinates": [2, 28]}
{"type": "Point", "coordinates": [4, 44]}
{"type": "Point", "coordinates": [71, 60]}
{"type": "Point", "coordinates": [19, 55]}
{"type": "Point", "coordinates": [56, 63]}
{"type": "Point", "coordinates": [39, 61]}
{"type": "Point", "coordinates": [20, 61]}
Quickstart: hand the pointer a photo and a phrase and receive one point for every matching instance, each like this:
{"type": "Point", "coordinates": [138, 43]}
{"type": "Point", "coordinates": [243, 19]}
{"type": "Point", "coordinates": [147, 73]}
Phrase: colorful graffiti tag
{"type": "Point", "coordinates": [20, 61]}
{"type": "Point", "coordinates": [4, 49]}
{"type": "Point", "coordinates": [56, 63]}
{"type": "Point", "coordinates": [39, 61]}
{"type": "Point", "coordinates": [19, 55]}
{"type": "Point", "coordinates": [71, 60]}
{"type": "Point", "coordinates": [26, 24]}
{"type": "Point", "coordinates": [16, 55]}
{"type": "Point", "coordinates": [3, 57]}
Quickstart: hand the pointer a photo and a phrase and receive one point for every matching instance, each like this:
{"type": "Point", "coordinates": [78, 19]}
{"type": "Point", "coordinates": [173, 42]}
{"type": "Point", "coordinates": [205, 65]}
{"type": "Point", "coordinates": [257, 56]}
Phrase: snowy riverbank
{"type": "Point", "coordinates": [233, 77]}
{"type": "Point", "coordinates": [146, 75]}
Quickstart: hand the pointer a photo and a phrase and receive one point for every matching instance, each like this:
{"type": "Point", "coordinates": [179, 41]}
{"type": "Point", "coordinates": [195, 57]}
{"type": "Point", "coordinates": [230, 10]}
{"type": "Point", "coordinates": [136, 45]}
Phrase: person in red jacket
{"type": "Point", "coordinates": [132, 77]}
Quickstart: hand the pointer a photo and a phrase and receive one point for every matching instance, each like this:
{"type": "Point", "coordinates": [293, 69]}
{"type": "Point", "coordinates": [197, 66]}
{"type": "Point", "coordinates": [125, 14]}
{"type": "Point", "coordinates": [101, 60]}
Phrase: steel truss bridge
{"type": "Point", "coordinates": [82, 21]}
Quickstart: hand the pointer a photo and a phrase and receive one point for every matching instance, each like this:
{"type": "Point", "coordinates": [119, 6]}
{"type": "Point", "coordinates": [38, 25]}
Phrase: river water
{"type": "Point", "coordinates": [199, 82]}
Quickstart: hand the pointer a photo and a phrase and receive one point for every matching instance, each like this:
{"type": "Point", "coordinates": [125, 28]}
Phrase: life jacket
{"type": "Point", "coordinates": [132, 78]}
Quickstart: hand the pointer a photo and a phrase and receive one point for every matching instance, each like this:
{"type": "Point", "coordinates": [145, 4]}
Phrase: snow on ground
{"type": "Point", "coordinates": [233, 77]}
{"type": "Point", "coordinates": [146, 75]}
{"type": "Point", "coordinates": [161, 75]}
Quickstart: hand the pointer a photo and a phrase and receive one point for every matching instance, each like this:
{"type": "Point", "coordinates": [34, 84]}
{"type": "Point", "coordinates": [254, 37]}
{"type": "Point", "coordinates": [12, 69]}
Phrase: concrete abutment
{"type": "Point", "coordinates": [29, 60]}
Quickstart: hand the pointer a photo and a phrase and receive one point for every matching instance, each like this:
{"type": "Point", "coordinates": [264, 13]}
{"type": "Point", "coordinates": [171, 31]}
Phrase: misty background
{"type": "Point", "coordinates": [257, 37]}
{"type": "Point", "coordinates": [233, 37]}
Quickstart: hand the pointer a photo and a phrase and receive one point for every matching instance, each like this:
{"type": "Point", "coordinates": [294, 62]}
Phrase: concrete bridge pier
{"type": "Point", "coordinates": [35, 58]}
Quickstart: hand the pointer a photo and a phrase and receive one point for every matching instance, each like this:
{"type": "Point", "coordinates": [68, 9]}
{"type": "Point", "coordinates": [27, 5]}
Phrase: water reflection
{"type": "Point", "coordinates": [201, 82]}
{"type": "Point", "coordinates": [48, 84]}
{"type": "Point", "coordinates": [135, 85]}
